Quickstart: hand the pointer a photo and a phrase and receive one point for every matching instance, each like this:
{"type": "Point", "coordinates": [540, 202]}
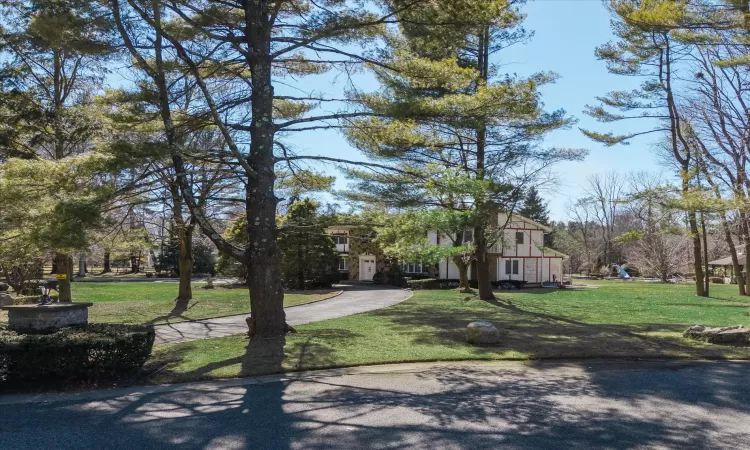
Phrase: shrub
{"type": "Point", "coordinates": [717, 280]}
{"type": "Point", "coordinates": [149, 274]}
{"type": "Point", "coordinates": [428, 283]}
{"type": "Point", "coordinates": [30, 299]}
{"type": "Point", "coordinates": [379, 278]}
{"type": "Point", "coordinates": [82, 353]}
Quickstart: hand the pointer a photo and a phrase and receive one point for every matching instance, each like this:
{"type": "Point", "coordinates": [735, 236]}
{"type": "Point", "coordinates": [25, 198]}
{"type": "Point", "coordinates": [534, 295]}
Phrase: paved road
{"type": "Point", "coordinates": [426, 406]}
{"type": "Point", "coordinates": [354, 300]}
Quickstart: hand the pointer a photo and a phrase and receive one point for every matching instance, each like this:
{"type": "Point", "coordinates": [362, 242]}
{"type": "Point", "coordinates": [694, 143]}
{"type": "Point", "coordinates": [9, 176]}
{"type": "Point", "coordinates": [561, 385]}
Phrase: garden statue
{"type": "Point", "coordinates": [48, 286]}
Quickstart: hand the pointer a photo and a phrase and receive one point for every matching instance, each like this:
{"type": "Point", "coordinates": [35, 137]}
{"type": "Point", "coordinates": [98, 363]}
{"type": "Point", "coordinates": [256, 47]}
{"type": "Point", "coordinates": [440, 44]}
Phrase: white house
{"type": "Point", "coordinates": [519, 255]}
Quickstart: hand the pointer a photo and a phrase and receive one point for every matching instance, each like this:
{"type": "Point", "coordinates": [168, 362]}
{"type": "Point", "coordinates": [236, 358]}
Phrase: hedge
{"type": "Point", "coordinates": [91, 352]}
{"type": "Point", "coordinates": [717, 280]}
{"type": "Point", "coordinates": [429, 283]}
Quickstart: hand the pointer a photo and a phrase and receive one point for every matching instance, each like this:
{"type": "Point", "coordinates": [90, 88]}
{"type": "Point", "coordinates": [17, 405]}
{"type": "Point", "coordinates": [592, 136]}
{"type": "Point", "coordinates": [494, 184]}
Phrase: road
{"type": "Point", "coordinates": [354, 300]}
{"type": "Point", "coordinates": [542, 405]}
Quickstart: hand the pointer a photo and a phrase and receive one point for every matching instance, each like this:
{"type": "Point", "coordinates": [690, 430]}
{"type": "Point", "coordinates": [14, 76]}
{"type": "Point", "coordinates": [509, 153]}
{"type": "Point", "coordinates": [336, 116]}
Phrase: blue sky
{"type": "Point", "coordinates": [566, 34]}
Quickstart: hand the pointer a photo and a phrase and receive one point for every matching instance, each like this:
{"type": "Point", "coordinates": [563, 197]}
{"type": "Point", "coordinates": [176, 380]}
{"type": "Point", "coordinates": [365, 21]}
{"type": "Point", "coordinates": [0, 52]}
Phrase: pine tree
{"type": "Point", "coordinates": [307, 251]}
{"type": "Point", "coordinates": [534, 207]}
{"type": "Point", "coordinates": [447, 118]}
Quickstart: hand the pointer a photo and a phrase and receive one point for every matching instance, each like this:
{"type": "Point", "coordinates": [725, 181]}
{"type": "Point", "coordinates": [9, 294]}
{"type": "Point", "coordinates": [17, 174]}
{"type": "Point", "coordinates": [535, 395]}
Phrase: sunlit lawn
{"type": "Point", "coordinates": [154, 302]}
{"type": "Point", "coordinates": [615, 320]}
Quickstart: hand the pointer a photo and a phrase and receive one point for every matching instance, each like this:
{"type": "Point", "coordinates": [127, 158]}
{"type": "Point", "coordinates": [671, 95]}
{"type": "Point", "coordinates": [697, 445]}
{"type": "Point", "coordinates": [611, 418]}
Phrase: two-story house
{"type": "Point", "coordinates": [519, 254]}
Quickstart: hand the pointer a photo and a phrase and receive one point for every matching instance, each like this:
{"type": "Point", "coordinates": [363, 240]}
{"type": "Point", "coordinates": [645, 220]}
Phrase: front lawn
{"type": "Point", "coordinates": [615, 320]}
{"type": "Point", "coordinates": [154, 302]}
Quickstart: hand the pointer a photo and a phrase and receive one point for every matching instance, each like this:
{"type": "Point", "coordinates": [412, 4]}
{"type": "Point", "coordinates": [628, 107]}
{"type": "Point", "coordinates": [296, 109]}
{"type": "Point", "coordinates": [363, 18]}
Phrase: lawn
{"type": "Point", "coordinates": [154, 302]}
{"type": "Point", "coordinates": [610, 320]}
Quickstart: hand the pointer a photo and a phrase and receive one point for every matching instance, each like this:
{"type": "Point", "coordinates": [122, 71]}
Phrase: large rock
{"type": "Point", "coordinates": [482, 333]}
{"type": "Point", "coordinates": [4, 286]}
{"type": "Point", "coordinates": [719, 335]}
{"type": "Point", "coordinates": [5, 299]}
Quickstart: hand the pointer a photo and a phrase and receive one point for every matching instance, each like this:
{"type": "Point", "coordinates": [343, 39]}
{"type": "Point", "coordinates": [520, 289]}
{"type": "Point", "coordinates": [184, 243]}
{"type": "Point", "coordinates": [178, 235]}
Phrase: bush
{"type": "Point", "coordinates": [149, 274]}
{"type": "Point", "coordinates": [717, 280]}
{"type": "Point", "coordinates": [82, 353]}
{"type": "Point", "coordinates": [428, 283]}
{"type": "Point", "coordinates": [30, 299]}
{"type": "Point", "coordinates": [379, 278]}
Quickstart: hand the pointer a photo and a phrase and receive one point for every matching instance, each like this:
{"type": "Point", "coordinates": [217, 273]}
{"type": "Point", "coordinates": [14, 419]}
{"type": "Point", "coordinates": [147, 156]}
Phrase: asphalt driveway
{"type": "Point", "coordinates": [354, 300]}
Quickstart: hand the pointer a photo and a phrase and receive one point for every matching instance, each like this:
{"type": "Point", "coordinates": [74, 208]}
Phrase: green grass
{"type": "Point", "coordinates": [146, 302]}
{"type": "Point", "coordinates": [617, 320]}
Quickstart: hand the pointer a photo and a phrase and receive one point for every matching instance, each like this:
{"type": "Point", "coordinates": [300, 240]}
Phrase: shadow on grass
{"type": "Point", "coordinates": [261, 357]}
{"type": "Point", "coordinates": [542, 335]}
{"type": "Point", "coordinates": [181, 306]}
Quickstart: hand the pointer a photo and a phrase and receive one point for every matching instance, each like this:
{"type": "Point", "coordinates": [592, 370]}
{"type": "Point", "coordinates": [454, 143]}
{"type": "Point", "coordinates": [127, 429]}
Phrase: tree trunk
{"type": "Point", "coordinates": [266, 294]}
{"type": "Point", "coordinates": [484, 280]}
{"type": "Point", "coordinates": [705, 252]}
{"type": "Point", "coordinates": [107, 263]}
{"type": "Point", "coordinates": [700, 290]}
{"type": "Point", "coordinates": [463, 275]}
{"type": "Point", "coordinates": [745, 228]}
{"type": "Point", "coordinates": [135, 265]}
{"type": "Point", "coordinates": [185, 263]}
{"type": "Point", "coordinates": [64, 267]}
{"type": "Point", "coordinates": [733, 254]}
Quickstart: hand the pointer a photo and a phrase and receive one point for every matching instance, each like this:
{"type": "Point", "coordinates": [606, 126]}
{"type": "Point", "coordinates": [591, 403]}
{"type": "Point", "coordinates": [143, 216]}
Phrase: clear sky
{"type": "Point", "coordinates": [566, 34]}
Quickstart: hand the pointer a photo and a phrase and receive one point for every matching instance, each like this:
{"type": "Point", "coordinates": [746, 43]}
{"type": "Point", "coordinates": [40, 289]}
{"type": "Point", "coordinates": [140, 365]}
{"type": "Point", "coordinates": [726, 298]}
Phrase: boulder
{"type": "Point", "coordinates": [4, 286]}
{"type": "Point", "coordinates": [719, 335]}
{"type": "Point", "coordinates": [482, 333]}
{"type": "Point", "coordinates": [5, 299]}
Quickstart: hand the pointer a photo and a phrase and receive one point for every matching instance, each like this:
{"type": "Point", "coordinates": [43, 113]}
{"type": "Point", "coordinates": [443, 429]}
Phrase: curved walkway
{"type": "Point", "coordinates": [354, 300]}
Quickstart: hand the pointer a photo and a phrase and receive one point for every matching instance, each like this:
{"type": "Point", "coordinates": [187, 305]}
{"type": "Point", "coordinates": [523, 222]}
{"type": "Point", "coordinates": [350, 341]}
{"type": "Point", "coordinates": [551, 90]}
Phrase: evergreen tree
{"type": "Point", "coordinates": [446, 109]}
{"type": "Point", "coordinates": [307, 251]}
{"type": "Point", "coordinates": [534, 207]}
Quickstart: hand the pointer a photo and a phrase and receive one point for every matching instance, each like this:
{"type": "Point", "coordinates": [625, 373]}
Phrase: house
{"type": "Point", "coordinates": [726, 266]}
{"type": "Point", "coordinates": [519, 255]}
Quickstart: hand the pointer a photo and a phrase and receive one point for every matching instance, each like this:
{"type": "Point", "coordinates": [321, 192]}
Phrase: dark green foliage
{"type": "Point", "coordinates": [429, 283]}
{"type": "Point", "coordinates": [534, 207]}
{"type": "Point", "coordinates": [307, 251]}
{"type": "Point", "coordinates": [89, 353]}
{"type": "Point", "coordinates": [204, 260]}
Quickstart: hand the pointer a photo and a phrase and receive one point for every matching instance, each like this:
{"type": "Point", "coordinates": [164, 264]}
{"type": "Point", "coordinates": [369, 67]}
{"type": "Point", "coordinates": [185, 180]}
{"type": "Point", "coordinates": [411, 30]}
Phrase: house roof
{"type": "Point", "coordinates": [516, 216]}
{"type": "Point", "coordinates": [550, 250]}
{"type": "Point", "coordinates": [742, 259]}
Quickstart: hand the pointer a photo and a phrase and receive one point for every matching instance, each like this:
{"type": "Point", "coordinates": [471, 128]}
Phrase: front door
{"type": "Point", "coordinates": [367, 267]}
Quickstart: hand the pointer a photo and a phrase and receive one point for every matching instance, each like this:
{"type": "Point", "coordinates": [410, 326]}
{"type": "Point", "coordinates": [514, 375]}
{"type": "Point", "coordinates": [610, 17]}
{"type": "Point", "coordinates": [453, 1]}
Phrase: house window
{"type": "Point", "coordinates": [519, 237]}
{"type": "Point", "coordinates": [507, 267]}
{"type": "Point", "coordinates": [343, 264]}
{"type": "Point", "coordinates": [340, 239]}
{"type": "Point", "coordinates": [515, 267]}
{"type": "Point", "coordinates": [414, 268]}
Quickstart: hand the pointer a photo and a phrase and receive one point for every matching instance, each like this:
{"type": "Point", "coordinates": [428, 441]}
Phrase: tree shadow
{"type": "Point", "coordinates": [181, 306]}
{"type": "Point", "coordinates": [542, 335]}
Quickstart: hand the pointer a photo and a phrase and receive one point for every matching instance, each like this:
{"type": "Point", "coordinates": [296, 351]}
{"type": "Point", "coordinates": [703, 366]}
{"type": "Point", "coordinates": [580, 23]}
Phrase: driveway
{"type": "Point", "coordinates": [540, 405]}
{"type": "Point", "coordinates": [354, 300]}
